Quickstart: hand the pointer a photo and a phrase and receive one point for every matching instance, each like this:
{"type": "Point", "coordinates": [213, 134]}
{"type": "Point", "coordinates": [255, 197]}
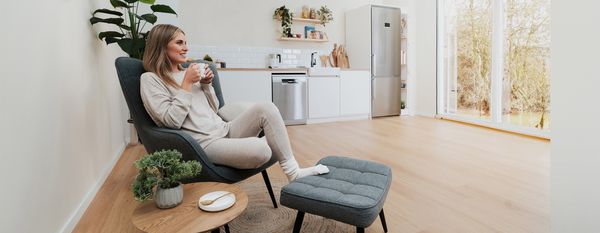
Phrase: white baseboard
{"type": "Point", "coordinates": [85, 203]}
{"type": "Point", "coordinates": [340, 118]}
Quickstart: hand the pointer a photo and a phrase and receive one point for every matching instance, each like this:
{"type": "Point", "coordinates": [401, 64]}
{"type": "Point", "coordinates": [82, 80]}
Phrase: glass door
{"type": "Point", "coordinates": [467, 57]}
{"type": "Point", "coordinates": [493, 63]}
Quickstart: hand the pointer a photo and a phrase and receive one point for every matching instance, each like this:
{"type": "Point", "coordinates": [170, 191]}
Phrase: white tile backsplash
{"type": "Point", "coordinates": [254, 57]}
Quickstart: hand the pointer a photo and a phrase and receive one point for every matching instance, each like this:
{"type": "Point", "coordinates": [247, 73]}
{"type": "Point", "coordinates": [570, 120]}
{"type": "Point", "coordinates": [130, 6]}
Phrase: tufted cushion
{"type": "Point", "coordinates": [352, 192]}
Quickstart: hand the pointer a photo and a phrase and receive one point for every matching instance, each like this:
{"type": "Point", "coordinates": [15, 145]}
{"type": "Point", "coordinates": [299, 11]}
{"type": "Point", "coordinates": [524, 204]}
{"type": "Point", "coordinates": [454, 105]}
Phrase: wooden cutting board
{"type": "Point", "coordinates": [339, 57]}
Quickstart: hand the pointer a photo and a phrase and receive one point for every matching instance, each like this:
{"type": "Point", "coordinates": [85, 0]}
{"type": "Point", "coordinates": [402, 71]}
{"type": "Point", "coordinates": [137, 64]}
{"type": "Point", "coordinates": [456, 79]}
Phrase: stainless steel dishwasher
{"type": "Point", "coordinates": [290, 95]}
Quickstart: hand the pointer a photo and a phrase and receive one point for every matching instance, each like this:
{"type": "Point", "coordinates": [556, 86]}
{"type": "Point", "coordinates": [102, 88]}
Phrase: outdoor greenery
{"type": "Point", "coordinates": [130, 36]}
{"type": "Point", "coordinates": [163, 169]}
{"type": "Point", "coordinates": [527, 57]}
{"type": "Point", "coordinates": [526, 50]}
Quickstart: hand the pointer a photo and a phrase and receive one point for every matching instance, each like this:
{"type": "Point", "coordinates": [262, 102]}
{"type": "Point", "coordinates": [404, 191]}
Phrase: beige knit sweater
{"type": "Point", "coordinates": [194, 113]}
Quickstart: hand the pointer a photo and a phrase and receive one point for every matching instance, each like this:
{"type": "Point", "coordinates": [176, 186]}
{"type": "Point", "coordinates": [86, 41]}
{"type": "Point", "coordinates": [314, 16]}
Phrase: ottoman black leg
{"type": "Point", "coordinates": [298, 223]}
{"type": "Point", "coordinates": [382, 217]}
{"type": "Point", "coordinates": [268, 183]}
{"type": "Point", "coordinates": [360, 230]}
{"type": "Point", "coordinates": [217, 230]}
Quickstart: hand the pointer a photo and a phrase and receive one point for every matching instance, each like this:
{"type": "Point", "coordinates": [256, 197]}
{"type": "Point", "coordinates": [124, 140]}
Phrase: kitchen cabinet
{"type": "Point", "coordinates": [355, 93]}
{"type": "Point", "coordinates": [245, 86]}
{"type": "Point", "coordinates": [323, 97]}
{"type": "Point", "coordinates": [339, 97]}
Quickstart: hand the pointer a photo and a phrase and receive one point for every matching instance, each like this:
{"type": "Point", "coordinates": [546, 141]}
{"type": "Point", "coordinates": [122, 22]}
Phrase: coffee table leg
{"type": "Point", "coordinates": [226, 228]}
{"type": "Point", "coordinates": [216, 230]}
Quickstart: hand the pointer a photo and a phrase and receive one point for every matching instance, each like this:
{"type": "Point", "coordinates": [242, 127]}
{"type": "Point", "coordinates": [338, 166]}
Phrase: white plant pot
{"type": "Point", "coordinates": [168, 198]}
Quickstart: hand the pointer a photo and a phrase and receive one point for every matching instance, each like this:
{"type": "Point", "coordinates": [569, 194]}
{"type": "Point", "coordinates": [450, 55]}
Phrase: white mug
{"type": "Point", "coordinates": [203, 69]}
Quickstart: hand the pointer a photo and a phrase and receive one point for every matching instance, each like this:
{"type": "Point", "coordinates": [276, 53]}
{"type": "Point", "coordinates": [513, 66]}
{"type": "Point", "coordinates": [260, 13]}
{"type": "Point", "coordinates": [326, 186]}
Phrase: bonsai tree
{"type": "Point", "coordinates": [130, 36]}
{"type": "Point", "coordinates": [283, 13]}
{"type": "Point", "coordinates": [163, 169]}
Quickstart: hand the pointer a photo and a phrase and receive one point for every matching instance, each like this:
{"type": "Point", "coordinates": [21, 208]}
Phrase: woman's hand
{"type": "Point", "coordinates": [192, 75]}
{"type": "Point", "coordinates": [208, 77]}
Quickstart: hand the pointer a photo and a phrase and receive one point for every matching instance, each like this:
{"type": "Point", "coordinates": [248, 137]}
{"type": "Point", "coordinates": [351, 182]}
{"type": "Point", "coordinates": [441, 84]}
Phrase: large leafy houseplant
{"type": "Point", "coordinates": [130, 36]}
{"type": "Point", "coordinates": [163, 169]}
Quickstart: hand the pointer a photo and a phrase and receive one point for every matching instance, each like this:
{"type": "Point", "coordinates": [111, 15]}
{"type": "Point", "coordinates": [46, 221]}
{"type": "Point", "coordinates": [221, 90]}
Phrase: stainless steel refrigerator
{"type": "Point", "coordinates": [385, 61]}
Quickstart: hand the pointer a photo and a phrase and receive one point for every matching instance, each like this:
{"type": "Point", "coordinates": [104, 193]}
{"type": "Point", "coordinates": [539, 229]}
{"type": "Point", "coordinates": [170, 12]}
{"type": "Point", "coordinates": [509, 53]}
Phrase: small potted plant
{"type": "Point", "coordinates": [283, 13]}
{"type": "Point", "coordinates": [325, 15]}
{"type": "Point", "coordinates": [163, 170]}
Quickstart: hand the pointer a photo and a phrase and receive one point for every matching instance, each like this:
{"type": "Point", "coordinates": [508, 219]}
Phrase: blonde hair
{"type": "Point", "coordinates": [155, 58]}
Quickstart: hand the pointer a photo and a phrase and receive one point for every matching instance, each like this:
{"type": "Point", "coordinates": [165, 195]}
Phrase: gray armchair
{"type": "Point", "coordinates": [155, 138]}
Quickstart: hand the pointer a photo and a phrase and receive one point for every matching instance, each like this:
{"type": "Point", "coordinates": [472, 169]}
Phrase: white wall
{"type": "Point", "coordinates": [250, 23]}
{"type": "Point", "coordinates": [426, 57]}
{"type": "Point", "coordinates": [63, 115]}
{"type": "Point", "coordinates": [575, 148]}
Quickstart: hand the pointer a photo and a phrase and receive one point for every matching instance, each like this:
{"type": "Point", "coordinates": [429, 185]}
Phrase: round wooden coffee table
{"type": "Point", "coordinates": [187, 217]}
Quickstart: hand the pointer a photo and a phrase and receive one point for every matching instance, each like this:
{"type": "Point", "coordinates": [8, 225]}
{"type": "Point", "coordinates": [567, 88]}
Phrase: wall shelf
{"type": "Point", "coordinates": [313, 21]}
{"type": "Point", "coordinates": [302, 39]}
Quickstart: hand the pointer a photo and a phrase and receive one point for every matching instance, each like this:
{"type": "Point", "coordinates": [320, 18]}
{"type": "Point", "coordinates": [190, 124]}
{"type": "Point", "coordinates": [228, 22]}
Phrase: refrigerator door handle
{"type": "Point", "coordinates": [372, 89]}
{"type": "Point", "coordinates": [373, 63]}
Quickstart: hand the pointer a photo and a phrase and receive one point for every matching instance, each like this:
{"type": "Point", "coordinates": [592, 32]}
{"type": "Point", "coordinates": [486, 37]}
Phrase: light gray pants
{"type": "Point", "coordinates": [241, 148]}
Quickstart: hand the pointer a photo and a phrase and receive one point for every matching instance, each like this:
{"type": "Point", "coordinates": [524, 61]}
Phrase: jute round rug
{"type": "Point", "coordinates": [261, 217]}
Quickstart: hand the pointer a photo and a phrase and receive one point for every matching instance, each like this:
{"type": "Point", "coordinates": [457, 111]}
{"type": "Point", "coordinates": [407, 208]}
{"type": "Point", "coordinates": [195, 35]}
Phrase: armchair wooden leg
{"type": "Point", "coordinates": [382, 217]}
{"type": "Point", "coordinates": [268, 183]}
{"type": "Point", "coordinates": [298, 223]}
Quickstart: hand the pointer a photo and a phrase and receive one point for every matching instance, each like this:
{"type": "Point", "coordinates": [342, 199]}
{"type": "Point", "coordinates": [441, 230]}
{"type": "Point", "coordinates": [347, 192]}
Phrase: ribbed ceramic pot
{"type": "Point", "coordinates": [168, 198]}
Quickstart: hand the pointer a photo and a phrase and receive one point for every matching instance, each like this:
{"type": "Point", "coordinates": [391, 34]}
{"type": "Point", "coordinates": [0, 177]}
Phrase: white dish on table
{"type": "Point", "coordinates": [220, 204]}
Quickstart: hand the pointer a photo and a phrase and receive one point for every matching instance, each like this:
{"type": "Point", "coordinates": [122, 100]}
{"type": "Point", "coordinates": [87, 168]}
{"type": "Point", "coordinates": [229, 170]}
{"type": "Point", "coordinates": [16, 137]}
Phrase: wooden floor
{"type": "Point", "coordinates": [447, 176]}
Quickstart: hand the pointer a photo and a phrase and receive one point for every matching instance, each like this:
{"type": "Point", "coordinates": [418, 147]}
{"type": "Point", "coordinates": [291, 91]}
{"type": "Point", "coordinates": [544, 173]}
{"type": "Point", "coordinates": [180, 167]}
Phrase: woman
{"type": "Point", "coordinates": [179, 98]}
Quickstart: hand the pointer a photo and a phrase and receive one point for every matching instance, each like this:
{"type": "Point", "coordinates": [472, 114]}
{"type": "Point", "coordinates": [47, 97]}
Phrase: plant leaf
{"type": "Point", "coordinates": [133, 47]}
{"type": "Point", "coordinates": [150, 2]}
{"type": "Point", "coordinates": [110, 40]}
{"type": "Point", "coordinates": [110, 34]}
{"type": "Point", "coordinates": [125, 27]}
{"type": "Point", "coordinates": [125, 45]}
{"type": "Point", "coordinates": [107, 11]}
{"type": "Point", "coordinates": [162, 9]}
{"type": "Point", "coordinates": [151, 18]}
{"type": "Point", "coordinates": [131, 1]}
{"type": "Point", "coordinates": [117, 21]}
{"type": "Point", "coordinates": [118, 3]}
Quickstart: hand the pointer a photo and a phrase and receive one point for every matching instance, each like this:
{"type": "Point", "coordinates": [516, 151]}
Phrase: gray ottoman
{"type": "Point", "coordinates": [352, 192]}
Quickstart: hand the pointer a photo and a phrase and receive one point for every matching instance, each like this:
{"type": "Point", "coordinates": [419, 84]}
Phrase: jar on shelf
{"type": "Point", "coordinates": [305, 12]}
{"type": "Point", "coordinates": [313, 13]}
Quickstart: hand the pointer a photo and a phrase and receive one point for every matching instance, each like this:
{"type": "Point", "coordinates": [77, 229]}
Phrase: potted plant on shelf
{"type": "Point", "coordinates": [163, 170]}
{"type": "Point", "coordinates": [325, 15]}
{"type": "Point", "coordinates": [130, 36]}
{"type": "Point", "coordinates": [283, 13]}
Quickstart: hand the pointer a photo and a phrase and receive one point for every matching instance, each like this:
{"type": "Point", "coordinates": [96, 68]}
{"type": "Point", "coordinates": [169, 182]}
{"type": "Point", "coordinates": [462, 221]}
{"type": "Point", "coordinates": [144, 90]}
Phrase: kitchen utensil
{"type": "Point", "coordinates": [324, 60]}
{"type": "Point", "coordinates": [210, 201]}
{"type": "Point", "coordinates": [334, 63]}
